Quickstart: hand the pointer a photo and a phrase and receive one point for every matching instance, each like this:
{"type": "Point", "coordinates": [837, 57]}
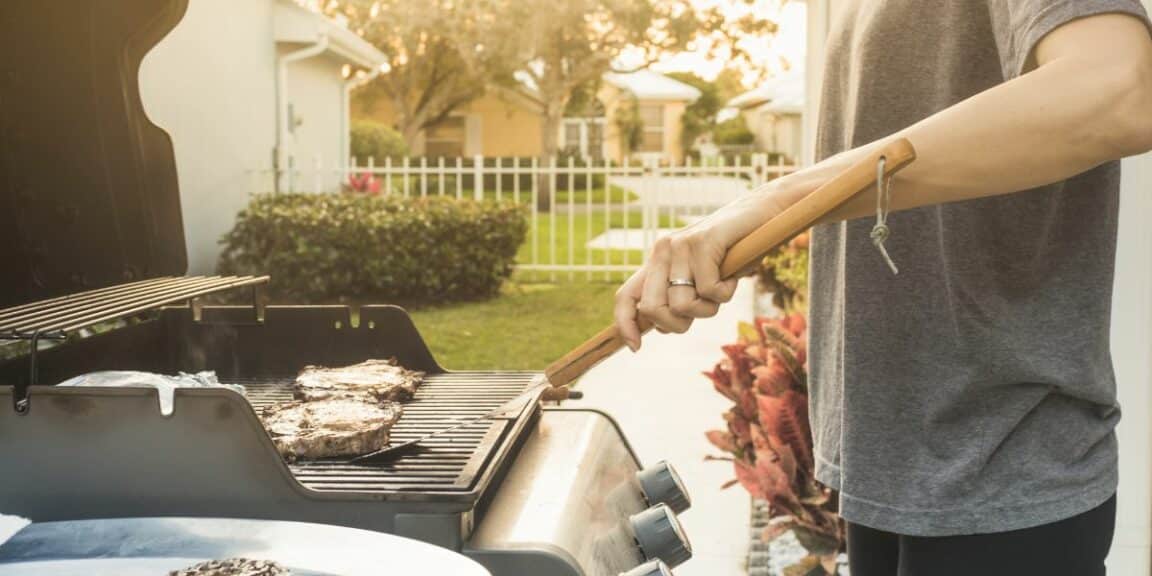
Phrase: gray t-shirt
{"type": "Point", "coordinates": [973, 392]}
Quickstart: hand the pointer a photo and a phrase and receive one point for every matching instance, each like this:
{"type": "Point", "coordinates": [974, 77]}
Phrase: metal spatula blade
{"type": "Point", "coordinates": [508, 409]}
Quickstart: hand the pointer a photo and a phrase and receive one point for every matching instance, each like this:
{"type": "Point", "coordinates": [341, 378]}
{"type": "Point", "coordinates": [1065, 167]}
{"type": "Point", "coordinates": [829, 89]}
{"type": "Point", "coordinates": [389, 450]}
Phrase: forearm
{"type": "Point", "coordinates": [1067, 116]}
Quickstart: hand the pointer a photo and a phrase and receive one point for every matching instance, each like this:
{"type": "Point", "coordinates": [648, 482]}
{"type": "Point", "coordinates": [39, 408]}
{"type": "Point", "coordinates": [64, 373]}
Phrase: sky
{"type": "Point", "coordinates": [773, 54]}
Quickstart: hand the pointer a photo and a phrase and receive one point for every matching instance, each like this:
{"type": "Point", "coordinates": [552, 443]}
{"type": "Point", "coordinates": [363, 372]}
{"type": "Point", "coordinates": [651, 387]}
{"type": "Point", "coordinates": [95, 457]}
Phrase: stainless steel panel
{"type": "Point", "coordinates": [568, 495]}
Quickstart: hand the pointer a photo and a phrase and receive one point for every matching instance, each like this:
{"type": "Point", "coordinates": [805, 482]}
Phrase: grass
{"type": "Point", "coordinates": [525, 328]}
{"type": "Point", "coordinates": [532, 323]}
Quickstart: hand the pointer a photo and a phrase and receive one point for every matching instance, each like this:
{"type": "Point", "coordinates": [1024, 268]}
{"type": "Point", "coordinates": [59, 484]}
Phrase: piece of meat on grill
{"type": "Point", "coordinates": [334, 427]}
{"type": "Point", "coordinates": [382, 380]}
{"type": "Point", "coordinates": [233, 567]}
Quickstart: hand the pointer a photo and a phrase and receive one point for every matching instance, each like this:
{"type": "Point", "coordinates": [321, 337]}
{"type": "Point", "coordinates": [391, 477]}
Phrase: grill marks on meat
{"type": "Point", "coordinates": [333, 427]}
{"type": "Point", "coordinates": [344, 411]}
{"type": "Point", "coordinates": [372, 380]}
{"type": "Point", "coordinates": [233, 567]}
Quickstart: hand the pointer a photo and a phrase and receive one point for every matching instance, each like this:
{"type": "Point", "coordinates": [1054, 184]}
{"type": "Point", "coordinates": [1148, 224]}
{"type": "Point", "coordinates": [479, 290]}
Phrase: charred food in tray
{"type": "Point", "coordinates": [233, 567]}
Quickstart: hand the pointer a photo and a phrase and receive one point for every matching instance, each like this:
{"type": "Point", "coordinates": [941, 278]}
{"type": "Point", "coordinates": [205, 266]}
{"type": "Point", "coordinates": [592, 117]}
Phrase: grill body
{"type": "Point", "coordinates": [518, 494]}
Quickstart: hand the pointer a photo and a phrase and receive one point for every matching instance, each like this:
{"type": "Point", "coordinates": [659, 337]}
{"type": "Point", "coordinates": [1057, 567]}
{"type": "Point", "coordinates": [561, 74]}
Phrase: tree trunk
{"type": "Point", "coordinates": [410, 130]}
{"type": "Point", "coordinates": [549, 147]}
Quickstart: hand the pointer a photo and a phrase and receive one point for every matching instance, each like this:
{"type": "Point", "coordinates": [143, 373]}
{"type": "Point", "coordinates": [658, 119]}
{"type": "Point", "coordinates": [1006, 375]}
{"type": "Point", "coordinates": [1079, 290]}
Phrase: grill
{"type": "Point", "coordinates": [94, 261]}
{"type": "Point", "coordinates": [447, 463]}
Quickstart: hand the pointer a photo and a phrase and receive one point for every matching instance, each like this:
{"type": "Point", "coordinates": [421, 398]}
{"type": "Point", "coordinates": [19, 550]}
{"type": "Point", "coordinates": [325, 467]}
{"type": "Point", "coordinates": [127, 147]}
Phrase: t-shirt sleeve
{"type": "Point", "coordinates": [1020, 24]}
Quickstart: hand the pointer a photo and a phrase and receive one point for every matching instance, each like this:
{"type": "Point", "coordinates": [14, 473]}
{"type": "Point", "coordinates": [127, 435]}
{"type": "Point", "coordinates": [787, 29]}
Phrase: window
{"type": "Point", "coordinates": [572, 130]}
{"type": "Point", "coordinates": [652, 118]}
{"type": "Point", "coordinates": [584, 136]}
{"type": "Point", "coordinates": [446, 138]}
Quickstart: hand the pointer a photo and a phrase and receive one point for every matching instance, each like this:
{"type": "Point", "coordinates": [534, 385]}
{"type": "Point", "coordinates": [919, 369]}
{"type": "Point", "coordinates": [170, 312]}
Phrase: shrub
{"type": "Point", "coordinates": [769, 439]}
{"type": "Point", "coordinates": [733, 132]}
{"type": "Point", "coordinates": [784, 273]}
{"type": "Point", "coordinates": [375, 140]}
{"type": "Point", "coordinates": [363, 248]}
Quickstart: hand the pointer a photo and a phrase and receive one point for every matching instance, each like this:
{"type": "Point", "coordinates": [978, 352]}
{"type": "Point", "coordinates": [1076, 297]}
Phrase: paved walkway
{"type": "Point", "coordinates": [685, 191]}
{"type": "Point", "coordinates": [665, 405]}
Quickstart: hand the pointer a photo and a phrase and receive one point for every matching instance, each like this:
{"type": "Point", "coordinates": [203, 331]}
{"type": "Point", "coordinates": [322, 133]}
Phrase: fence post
{"type": "Point", "coordinates": [371, 175]}
{"type": "Point", "coordinates": [349, 170]}
{"type": "Point", "coordinates": [459, 177]}
{"type": "Point", "coordinates": [440, 175]}
{"type": "Point", "coordinates": [759, 170]}
{"type": "Point", "coordinates": [478, 183]}
{"type": "Point", "coordinates": [650, 203]}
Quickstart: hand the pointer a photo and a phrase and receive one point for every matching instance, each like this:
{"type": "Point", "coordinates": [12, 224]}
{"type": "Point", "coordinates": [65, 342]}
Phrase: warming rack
{"type": "Point", "coordinates": [55, 318]}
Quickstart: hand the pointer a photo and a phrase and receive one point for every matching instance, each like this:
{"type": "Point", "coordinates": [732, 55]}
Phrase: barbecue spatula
{"type": "Point", "coordinates": [743, 254]}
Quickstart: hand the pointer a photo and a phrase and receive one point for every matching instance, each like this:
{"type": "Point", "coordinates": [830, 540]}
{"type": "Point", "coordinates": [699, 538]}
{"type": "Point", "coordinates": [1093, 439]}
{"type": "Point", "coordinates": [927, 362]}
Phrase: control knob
{"type": "Point", "coordinates": [660, 536]}
{"type": "Point", "coordinates": [662, 485]}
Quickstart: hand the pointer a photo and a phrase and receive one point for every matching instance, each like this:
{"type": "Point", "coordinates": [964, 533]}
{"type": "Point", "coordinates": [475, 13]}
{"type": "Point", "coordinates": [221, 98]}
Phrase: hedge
{"type": "Point", "coordinates": [374, 249]}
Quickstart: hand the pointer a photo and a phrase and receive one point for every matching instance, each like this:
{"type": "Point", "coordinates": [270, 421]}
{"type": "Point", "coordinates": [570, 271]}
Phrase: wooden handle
{"type": "Point", "coordinates": [749, 250]}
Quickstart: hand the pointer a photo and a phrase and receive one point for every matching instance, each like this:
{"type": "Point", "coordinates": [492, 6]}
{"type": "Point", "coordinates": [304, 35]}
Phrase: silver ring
{"type": "Point", "coordinates": [682, 282]}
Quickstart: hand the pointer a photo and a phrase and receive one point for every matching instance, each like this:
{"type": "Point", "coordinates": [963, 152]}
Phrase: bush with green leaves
{"type": "Point", "coordinates": [733, 132]}
{"type": "Point", "coordinates": [323, 248]}
{"type": "Point", "coordinates": [375, 140]}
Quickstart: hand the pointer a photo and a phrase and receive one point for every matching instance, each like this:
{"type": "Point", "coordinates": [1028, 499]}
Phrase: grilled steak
{"type": "Point", "coordinates": [233, 567]}
{"type": "Point", "coordinates": [381, 380]}
{"type": "Point", "coordinates": [334, 427]}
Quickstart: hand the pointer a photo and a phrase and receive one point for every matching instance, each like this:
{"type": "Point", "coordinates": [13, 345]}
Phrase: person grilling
{"type": "Point", "coordinates": [964, 408]}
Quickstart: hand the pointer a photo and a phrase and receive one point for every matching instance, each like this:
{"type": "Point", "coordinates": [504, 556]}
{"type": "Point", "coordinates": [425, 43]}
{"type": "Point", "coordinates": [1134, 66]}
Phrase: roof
{"type": "Point", "coordinates": [780, 94]}
{"type": "Point", "coordinates": [649, 85]}
{"type": "Point", "coordinates": [295, 24]}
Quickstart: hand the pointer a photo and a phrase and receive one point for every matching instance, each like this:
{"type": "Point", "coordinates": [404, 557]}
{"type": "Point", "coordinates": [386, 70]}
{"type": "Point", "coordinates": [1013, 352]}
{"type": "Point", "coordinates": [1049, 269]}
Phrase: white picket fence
{"type": "Point", "coordinates": [590, 220]}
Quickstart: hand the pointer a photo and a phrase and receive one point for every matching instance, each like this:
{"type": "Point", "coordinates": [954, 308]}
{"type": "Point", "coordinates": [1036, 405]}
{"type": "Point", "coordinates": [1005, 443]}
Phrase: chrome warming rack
{"type": "Point", "coordinates": [56, 318]}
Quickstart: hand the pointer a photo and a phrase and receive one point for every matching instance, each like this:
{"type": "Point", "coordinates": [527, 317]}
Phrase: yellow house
{"type": "Point", "coordinates": [774, 113]}
{"type": "Point", "coordinates": [505, 123]}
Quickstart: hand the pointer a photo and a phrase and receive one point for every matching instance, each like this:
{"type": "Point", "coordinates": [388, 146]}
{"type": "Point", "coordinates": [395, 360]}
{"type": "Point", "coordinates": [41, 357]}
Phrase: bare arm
{"type": "Point", "coordinates": [1087, 101]}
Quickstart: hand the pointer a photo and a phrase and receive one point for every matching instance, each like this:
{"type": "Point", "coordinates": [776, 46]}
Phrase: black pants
{"type": "Point", "coordinates": [1073, 547]}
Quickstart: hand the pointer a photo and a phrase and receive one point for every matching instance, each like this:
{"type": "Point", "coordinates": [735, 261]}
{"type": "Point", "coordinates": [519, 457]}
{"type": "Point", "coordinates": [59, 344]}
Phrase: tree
{"type": "Point", "coordinates": [700, 116]}
{"type": "Point", "coordinates": [574, 42]}
{"type": "Point", "coordinates": [440, 53]}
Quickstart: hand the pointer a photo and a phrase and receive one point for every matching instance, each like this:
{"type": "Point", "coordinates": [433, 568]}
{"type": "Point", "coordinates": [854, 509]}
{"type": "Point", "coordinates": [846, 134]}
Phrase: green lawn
{"type": "Point", "coordinates": [525, 328]}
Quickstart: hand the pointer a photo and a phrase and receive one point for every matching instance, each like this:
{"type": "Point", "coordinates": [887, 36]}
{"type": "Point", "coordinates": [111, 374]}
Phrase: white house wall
{"type": "Point", "coordinates": [315, 92]}
{"type": "Point", "coordinates": [1131, 337]}
{"type": "Point", "coordinates": [211, 85]}
{"type": "Point", "coordinates": [1132, 355]}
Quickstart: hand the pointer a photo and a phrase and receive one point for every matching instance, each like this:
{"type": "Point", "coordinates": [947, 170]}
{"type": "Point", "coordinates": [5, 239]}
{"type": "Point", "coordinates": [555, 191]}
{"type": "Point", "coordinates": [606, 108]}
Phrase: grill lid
{"type": "Point", "coordinates": [88, 192]}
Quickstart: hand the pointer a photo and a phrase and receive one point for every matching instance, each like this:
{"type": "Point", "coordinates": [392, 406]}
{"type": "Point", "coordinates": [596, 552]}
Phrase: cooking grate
{"type": "Point", "coordinates": [448, 463]}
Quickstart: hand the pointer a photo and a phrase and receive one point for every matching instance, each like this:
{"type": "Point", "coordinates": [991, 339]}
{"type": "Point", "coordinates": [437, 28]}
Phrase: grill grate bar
{"type": "Point", "coordinates": [65, 314]}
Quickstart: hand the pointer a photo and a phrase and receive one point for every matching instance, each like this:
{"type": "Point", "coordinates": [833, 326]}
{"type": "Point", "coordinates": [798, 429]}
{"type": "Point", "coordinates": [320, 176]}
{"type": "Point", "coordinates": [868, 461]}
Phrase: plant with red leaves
{"type": "Point", "coordinates": [364, 184]}
{"type": "Point", "coordinates": [769, 439]}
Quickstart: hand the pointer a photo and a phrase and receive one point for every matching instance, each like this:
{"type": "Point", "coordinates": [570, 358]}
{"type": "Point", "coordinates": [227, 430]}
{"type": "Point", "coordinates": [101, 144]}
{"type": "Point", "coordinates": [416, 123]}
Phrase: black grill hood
{"type": "Point", "coordinates": [88, 192]}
